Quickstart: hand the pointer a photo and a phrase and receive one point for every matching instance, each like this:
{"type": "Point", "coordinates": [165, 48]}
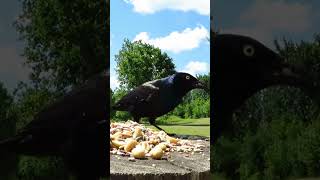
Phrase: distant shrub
{"type": "Point", "coordinates": [280, 149]}
{"type": "Point", "coordinates": [122, 116]}
{"type": "Point", "coordinates": [32, 168]}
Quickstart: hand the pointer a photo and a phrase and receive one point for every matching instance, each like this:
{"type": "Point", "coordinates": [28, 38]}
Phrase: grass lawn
{"type": "Point", "coordinates": [178, 125]}
{"type": "Point", "coordinates": [218, 177]}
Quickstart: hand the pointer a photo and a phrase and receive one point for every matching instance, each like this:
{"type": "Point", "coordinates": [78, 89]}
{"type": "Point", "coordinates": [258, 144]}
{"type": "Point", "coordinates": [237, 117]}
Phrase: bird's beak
{"type": "Point", "coordinates": [200, 85]}
{"type": "Point", "coordinates": [287, 74]}
{"type": "Point", "coordinates": [299, 77]}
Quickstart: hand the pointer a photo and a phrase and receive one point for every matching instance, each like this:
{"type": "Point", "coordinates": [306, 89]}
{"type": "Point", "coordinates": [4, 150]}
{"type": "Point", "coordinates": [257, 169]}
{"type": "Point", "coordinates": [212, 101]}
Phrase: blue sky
{"type": "Point", "coordinates": [266, 20]}
{"type": "Point", "coordinates": [178, 27]}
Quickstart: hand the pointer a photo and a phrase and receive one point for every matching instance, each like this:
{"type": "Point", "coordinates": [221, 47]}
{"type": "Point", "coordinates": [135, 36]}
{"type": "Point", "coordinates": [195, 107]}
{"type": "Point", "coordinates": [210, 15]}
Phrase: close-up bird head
{"type": "Point", "coordinates": [251, 60]}
{"type": "Point", "coordinates": [187, 82]}
{"type": "Point", "coordinates": [243, 66]}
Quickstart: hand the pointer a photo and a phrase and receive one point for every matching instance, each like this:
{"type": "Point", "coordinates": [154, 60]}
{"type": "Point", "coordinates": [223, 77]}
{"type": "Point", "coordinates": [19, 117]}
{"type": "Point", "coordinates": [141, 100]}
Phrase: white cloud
{"type": "Point", "coordinates": [196, 67]}
{"type": "Point", "coordinates": [201, 7]}
{"type": "Point", "coordinates": [268, 16]}
{"type": "Point", "coordinates": [177, 42]}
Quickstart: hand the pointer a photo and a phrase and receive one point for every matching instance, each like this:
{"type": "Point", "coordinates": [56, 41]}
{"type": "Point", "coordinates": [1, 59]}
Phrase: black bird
{"type": "Point", "coordinates": [156, 98]}
{"type": "Point", "coordinates": [241, 67]}
{"type": "Point", "coordinates": [74, 128]}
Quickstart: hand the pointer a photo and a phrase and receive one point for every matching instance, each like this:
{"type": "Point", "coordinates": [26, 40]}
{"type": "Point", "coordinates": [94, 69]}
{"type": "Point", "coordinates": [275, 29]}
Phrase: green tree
{"type": "Point", "coordinates": [7, 129]}
{"type": "Point", "coordinates": [6, 101]}
{"type": "Point", "coordinates": [66, 42]}
{"type": "Point", "coordinates": [138, 62]}
{"type": "Point", "coordinates": [112, 101]}
{"type": "Point", "coordinates": [119, 115]}
{"type": "Point", "coordinates": [28, 102]}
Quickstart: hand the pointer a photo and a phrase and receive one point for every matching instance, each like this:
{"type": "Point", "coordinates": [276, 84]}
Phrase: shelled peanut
{"type": "Point", "coordinates": [133, 139]}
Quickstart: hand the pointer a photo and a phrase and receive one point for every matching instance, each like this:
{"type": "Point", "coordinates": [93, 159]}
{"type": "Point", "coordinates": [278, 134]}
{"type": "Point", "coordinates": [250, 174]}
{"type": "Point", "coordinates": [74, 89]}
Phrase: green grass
{"type": "Point", "coordinates": [178, 125]}
{"type": "Point", "coordinates": [174, 120]}
{"type": "Point", "coordinates": [186, 130]}
{"type": "Point", "coordinates": [218, 177]}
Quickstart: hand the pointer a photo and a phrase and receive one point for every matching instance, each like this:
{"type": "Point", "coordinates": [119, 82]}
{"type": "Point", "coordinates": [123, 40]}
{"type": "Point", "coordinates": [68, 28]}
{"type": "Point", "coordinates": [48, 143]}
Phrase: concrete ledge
{"type": "Point", "coordinates": [179, 166]}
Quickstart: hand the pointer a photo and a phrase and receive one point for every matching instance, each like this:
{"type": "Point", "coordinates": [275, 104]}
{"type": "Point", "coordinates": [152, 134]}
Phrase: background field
{"type": "Point", "coordinates": [178, 125]}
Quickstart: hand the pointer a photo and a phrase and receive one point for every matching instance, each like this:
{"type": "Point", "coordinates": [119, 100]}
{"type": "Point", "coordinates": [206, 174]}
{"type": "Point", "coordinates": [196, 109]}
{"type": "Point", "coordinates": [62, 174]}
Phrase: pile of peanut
{"type": "Point", "coordinates": [135, 140]}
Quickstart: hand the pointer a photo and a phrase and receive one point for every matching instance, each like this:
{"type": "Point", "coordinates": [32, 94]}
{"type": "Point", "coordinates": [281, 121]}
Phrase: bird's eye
{"type": "Point", "coordinates": [188, 77]}
{"type": "Point", "coordinates": [248, 50]}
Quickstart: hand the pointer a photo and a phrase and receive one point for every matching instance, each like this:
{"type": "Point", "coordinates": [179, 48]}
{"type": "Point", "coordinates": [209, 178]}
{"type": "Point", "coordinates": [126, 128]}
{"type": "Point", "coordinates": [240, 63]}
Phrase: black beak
{"type": "Point", "coordinates": [200, 85]}
{"type": "Point", "coordinates": [286, 74]}
{"type": "Point", "coordinates": [300, 77]}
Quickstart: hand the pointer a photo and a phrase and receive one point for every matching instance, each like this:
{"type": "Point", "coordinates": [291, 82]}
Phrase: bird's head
{"type": "Point", "coordinates": [243, 66]}
{"type": "Point", "coordinates": [186, 82]}
{"type": "Point", "coordinates": [246, 60]}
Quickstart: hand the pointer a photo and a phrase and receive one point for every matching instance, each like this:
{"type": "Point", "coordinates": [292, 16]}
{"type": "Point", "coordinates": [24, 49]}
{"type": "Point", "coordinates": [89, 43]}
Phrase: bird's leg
{"type": "Point", "coordinates": [152, 121]}
{"type": "Point", "coordinates": [136, 119]}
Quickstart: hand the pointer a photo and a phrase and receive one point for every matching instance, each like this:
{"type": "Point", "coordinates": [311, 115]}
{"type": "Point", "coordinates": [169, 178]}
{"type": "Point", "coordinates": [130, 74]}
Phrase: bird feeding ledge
{"type": "Point", "coordinates": [185, 160]}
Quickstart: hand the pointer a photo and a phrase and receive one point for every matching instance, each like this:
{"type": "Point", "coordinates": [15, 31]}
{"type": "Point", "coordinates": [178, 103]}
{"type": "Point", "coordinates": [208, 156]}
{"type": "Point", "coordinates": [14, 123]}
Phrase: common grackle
{"type": "Point", "coordinates": [156, 98]}
{"type": "Point", "coordinates": [241, 67]}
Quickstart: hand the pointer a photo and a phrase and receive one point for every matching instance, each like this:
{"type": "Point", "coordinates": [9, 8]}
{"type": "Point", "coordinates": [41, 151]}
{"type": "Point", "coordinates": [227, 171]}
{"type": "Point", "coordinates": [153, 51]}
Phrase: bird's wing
{"type": "Point", "coordinates": [53, 124]}
{"type": "Point", "coordinates": [141, 96]}
{"type": "Point", "coordinates": [88, 100]}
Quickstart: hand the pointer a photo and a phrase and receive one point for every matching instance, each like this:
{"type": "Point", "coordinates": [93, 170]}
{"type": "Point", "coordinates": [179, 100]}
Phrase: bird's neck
{"type": "Point", "coordinates": [168, 81]}
{"type": "Point", "coordinates": [179, 91]}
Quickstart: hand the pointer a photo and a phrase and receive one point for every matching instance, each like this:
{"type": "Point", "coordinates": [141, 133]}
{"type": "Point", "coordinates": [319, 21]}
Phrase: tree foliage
{"type": "Point", "coordinates": [196, 104]}
{"type": "Point", "coordinates": [138, 62]}
{"type": "Point", "coordinates": [7, 128]}
{"type": "Point", "coordinates": [66, 41]}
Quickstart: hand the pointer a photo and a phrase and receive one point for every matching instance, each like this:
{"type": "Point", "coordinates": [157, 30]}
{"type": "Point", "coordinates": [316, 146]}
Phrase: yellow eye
{"type": "Point", "coordinates": [248, 50]}
{"type": "Point", "coordinates": [188, 77]}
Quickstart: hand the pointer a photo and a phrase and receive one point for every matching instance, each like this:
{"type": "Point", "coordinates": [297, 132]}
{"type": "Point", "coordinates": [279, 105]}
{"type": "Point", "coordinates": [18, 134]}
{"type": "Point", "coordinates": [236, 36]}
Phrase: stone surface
{"type": "Point", "coordinates": [178, 166]}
